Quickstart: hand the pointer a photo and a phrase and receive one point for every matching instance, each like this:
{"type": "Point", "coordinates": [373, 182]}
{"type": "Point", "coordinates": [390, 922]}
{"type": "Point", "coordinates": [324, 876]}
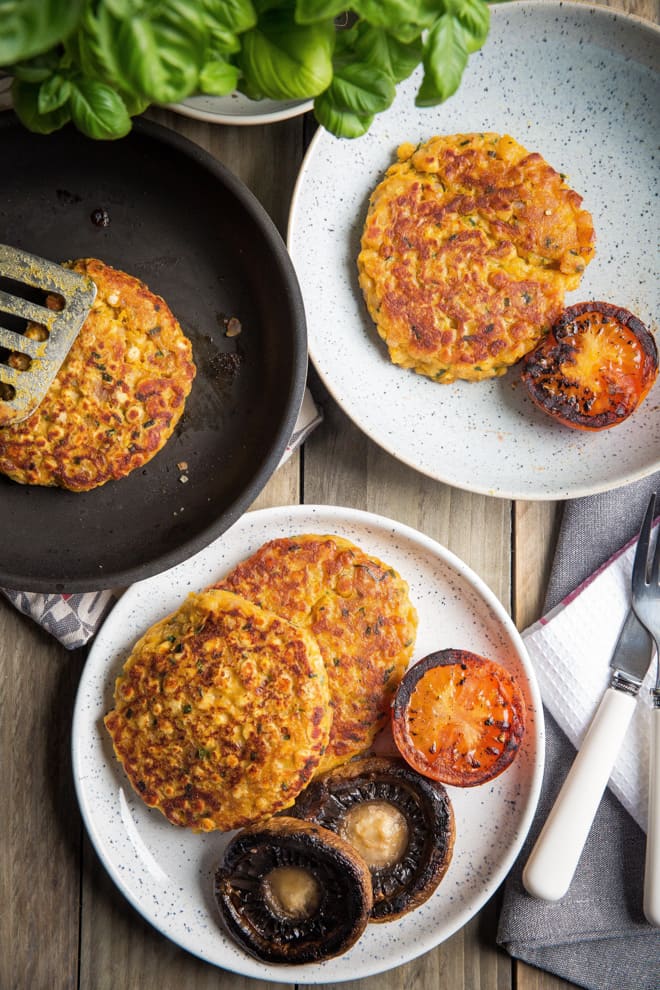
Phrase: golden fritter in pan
{"type": "Point", "coordinates": [469, 245]}
{"type": "Point", "coordinates": [221, 713]}
{"type": "Point", "coordinates": [359, 612]}
{"type": "Point", "coordinates": [116, 399]}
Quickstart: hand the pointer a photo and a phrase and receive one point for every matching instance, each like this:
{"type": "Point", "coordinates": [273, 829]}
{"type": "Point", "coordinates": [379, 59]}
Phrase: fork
{"type": "Point", "coordinates": [646, 605]}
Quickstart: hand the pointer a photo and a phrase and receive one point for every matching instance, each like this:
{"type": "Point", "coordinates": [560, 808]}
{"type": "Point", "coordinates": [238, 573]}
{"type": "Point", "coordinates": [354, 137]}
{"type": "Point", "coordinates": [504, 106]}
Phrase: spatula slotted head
{"type": "Point", "coordinates": [28, 365]}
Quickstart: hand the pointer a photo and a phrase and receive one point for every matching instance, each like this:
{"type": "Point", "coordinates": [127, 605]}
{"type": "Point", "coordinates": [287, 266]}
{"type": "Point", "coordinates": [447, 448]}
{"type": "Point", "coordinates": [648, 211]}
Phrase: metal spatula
{"type": "Point", "coordinates": [29, 363]}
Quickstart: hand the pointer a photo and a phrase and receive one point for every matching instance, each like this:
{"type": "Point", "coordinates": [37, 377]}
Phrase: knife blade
{"type": "Point", "coordinates": [631, 656]}
{"type": "Point", "coordinates": [554, 858]}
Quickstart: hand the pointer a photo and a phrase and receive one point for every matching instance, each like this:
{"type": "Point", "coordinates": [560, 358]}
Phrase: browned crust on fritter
{"type": "Point", "coordinates": [221, 713]}
{"type": "Point", "coordinates": [116, 399]}
{"type": "Point", "coordinates": [469, 246]}
{"type": "Point", "coordinates": [359, 612]}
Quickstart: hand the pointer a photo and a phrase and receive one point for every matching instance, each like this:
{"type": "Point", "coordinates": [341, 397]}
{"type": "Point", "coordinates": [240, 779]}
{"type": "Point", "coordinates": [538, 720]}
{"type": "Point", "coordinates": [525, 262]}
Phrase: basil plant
{"type": "Point", "coordinates": [98, 63]}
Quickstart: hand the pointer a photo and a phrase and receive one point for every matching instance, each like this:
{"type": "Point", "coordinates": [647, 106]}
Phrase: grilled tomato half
{"type": "Point", "coordinates": [458, 718]}
{"type": "Point", "coordinates": [594, 367]}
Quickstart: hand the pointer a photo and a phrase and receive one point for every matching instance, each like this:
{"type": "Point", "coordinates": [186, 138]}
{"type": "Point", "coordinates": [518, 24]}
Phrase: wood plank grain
{"type": "Point", "coordinates": [535, 529]}
{"type": "Point", "coordinates": [39, 821]}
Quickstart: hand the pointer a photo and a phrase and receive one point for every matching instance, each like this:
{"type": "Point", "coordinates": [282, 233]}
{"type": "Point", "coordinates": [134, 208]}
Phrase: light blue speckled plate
{"type": "Point", "coordinates": [167, 872]}
{"type": "Point", "coordinates": [578, 84]}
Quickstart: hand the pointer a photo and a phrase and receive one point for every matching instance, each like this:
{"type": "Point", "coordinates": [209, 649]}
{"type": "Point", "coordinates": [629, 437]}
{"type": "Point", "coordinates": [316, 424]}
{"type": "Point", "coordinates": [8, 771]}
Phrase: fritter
{"type": "Point", "coordinates": [358, 610]}
{"type": "Point", "coordinates": [117, 397]}
{"type": "Point", "coordinates": [221, 713]}
{"type": "Point", "coordinates": [469, 245]}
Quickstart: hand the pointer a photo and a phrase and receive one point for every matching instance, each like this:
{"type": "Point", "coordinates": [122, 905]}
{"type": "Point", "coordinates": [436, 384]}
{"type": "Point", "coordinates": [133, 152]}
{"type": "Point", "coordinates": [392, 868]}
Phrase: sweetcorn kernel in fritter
{"type": "Point", "coordinates": [117, 397]}
{"type": "Point", "coordinates": [469, 245]}
{"type": "Point", "coordinates": [221, 713]}
{"type": "Point", "coordinates": [358, 610]}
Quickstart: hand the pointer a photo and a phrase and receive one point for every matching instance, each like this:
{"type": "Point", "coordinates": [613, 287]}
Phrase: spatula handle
{"type": "Point", "coordinates": [652, 868]}
{"type": "Point", "coordinates": [554, 858]}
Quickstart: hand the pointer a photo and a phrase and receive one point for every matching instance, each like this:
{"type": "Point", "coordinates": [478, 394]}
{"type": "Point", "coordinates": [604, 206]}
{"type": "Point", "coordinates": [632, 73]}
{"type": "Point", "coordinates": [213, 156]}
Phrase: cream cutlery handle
{"type": "Point", "coordinates": [554, 858]}
{"type": "Point", "coordinates": [652, 869]}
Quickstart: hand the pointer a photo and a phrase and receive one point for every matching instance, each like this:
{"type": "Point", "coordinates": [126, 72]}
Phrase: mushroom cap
{"type": "Point", "coordinates": [335, 918]}
{"type": "Point", "coordinates": [408, 881]}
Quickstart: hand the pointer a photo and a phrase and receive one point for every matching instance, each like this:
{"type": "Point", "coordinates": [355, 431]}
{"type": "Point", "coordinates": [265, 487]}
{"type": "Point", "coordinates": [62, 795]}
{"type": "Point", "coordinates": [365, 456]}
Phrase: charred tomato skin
{"type": "Point", "coordinates": [343, 879]}
{"type": "Point", "coordinates": [404, 885]}
{"type": "Point", "coordinates": [458, 717]}
{"type": "Point", "coordinates": [594, 367]}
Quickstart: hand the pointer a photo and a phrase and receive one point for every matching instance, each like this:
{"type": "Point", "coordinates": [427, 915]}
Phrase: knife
{"type": "Point", "coordinates": [554, 858]}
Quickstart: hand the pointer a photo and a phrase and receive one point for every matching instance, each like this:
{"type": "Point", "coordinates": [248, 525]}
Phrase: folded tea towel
{"type": "Point", "coordinates": [570, 649]}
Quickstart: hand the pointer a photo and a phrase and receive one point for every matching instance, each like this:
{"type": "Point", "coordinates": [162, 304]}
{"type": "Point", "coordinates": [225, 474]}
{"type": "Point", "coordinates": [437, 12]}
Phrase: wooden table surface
{"type": "Point", "coordinates": [63, 924]}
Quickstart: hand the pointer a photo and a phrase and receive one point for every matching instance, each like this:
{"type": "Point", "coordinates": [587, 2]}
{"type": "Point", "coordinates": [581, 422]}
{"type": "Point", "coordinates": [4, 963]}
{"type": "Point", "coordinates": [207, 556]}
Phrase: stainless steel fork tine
{"type": "Point", "coordinates": [655, 566]}
{"type": "Point", "coordinates": [640, 565]}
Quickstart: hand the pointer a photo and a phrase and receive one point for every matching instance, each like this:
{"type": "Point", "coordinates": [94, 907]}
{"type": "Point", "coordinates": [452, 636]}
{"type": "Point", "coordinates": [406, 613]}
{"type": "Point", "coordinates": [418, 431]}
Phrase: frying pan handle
{"type": "Point", "coordinates": [652, 868]}
{"type": "Point", "coordinates": [554, 858]}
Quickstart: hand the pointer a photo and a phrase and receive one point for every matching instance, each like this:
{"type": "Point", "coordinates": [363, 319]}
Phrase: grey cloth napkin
{"type": "Point", "coordinates": [596, 936]}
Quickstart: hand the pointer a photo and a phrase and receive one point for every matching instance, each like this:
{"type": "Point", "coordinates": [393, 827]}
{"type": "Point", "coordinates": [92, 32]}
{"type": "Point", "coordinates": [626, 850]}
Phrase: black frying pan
{"type": "Point", "coordinates": [187, 227]}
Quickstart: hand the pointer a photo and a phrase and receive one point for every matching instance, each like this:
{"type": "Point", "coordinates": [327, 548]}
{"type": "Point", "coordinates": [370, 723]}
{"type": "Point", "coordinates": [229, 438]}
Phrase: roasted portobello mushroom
{"type": "Point", "coordinates": [401, 823]}
{"type": "Point", "coordinates": [292, 892]}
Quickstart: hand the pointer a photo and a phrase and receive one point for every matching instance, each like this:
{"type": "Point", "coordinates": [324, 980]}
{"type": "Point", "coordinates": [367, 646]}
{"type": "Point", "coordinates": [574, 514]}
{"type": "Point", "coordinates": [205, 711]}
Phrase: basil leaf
{"type": "Point", "coordinates": [226, 21]}
{"type": "Point", "coordinates": [231, 15]}
{"type": "Point", "coordinates": [30, 27]}
{"type": "Point", "coordinates": [53, 94]}
{"type": "Point", "coordinates": [134, 104]}
{"type": "Point", "coordinates": [38, 68]}
{"type": "Point", "coordinates": [98, 110]}
{"type": "Point", "coordinates": [155, 56]}
{"type": "Point", "coordinates": [218, 77]}
{"type": "Point", "coordinates": [445, 58]}
{"type": "Point", "coordinates": [287, 61]}
{"type": "Point", "coordinates": [474, 17]}
{"type": "Point", "coordinates": [161, 56]}
{"type": "Point", "coordinates": [309, 11]}
{"type": "Point", "coordinates": [340, 123]}
{"type": "Point", "coordinates": [375, 46]}
{"type": "Point", "coordinates": [94, 50]}
{"type": "Point", "coordinates": [25, 97]}
{"type": "Point", "coordinates": [121, 8]}
{"type": "Point", "coordinates": [360, 89]}
{"type": "Point", "coordinates": [96, 45]}
{"type": "Point", "coordinates": [392, 14]}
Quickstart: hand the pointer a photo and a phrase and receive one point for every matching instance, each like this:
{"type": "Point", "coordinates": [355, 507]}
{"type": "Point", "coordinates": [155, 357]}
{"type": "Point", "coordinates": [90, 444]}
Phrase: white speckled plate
{"type": "Point", "coordinates": [167, 872]}
{"type": "Point", "coordinates": [238, 109]}
{"type": "Point", "coordinates": [579, 85]}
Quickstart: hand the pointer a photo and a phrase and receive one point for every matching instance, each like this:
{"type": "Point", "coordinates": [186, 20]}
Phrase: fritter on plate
{"type": "Point", "coordinates": [469, 245]}
{"type": "Point", "coordinates": [221, 713]}
{"type": "Point", "coordinates": [359, 612]}
{"type": "Point", "coordinates": [116, 399]}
